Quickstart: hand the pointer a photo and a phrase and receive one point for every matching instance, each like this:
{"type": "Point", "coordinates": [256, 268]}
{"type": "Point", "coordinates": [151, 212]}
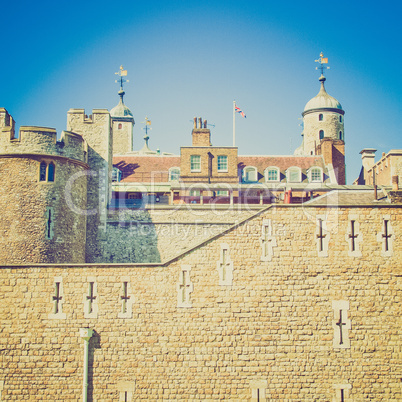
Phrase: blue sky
{"type": "Point", "coordinates": [193, 58]}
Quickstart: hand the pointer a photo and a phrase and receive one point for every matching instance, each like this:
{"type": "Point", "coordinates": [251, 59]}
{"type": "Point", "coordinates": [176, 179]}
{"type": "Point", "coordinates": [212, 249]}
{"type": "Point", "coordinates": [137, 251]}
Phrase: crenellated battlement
{"type": "Point", "coordinates": [39, 140]}
{"type": "Point", "coordinates": [7, 123]}
{"type": "Point", "coordinates": [78, 116]}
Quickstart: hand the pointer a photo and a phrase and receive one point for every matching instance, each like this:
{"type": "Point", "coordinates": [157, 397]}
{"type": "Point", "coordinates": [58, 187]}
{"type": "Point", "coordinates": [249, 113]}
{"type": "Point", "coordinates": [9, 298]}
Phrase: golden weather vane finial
{"type": "Point", "coordinates": [122, 73]}
{"type": "Point", "coordinates": [322, 60]}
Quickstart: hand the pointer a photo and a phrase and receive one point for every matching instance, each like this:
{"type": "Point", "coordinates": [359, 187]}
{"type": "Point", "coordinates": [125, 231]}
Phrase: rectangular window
{"type": "Point", "coordinates": [272, 175]}
{"type": "Point", "coordinates": [222, 163]}
{"type": "Point", "coordinates": [222, 193]}
{"type": "Point", "coordinates": [195, 163]}
{"type": "Point", "coordinates": [316, 175]}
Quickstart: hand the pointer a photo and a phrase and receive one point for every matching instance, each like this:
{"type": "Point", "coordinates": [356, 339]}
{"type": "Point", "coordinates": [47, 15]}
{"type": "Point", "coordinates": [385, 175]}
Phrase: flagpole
{"type": "Point", "coordinates": [234, 122]}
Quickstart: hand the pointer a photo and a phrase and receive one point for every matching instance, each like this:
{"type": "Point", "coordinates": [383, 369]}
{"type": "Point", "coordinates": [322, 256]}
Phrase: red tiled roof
{"type": "Point", "coordinates": [282, 162]}
{"type": "Point", "coordinates": [143, 169]}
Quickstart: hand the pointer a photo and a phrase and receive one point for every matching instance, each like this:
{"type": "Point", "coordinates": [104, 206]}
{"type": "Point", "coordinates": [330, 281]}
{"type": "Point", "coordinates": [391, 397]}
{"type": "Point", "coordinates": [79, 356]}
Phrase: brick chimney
{"type": "Point", "coordinates": [395, 195]}
{"type": "Point", "coordinates": [201, 134]}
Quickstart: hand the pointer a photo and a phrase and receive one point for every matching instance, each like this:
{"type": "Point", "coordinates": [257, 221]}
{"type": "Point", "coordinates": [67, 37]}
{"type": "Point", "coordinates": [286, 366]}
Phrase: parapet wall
{"type": "Point", "coordinates": [39, 140]}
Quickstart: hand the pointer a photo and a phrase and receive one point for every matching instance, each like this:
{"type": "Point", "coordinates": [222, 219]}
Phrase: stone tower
{"type": "Point", "coordinates": [43, 196]}
{"type": "Point", "coordinates": [324, 132]}
{"type": "Point", "coordinates": [122, 127]}
{"type": "Point", "coordinates": [323, 117]}
{"type": "Point", "coordinates": [96, 130]}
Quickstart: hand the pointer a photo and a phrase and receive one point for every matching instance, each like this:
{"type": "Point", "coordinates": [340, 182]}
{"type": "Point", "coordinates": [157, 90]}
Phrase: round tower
{"type": "Point", "coordinates": [122, 122]}
{"type": "Point", "coordinates": [43, 196]}
{"type": "Point", "coordinates": [323, 117]}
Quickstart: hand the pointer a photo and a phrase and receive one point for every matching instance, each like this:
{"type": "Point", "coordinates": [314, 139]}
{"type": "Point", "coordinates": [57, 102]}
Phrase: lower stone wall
{"type": "Point", "coordinates": [267, 326]}
{"type": "Point", "coordinates": [159, 234]}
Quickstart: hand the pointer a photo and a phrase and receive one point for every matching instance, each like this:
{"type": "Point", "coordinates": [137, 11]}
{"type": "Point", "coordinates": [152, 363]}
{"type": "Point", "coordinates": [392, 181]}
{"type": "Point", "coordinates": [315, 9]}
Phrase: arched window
{"type": "Point", "coordinates": [42, 171]}
{"type": "Point", "coordinates": [120, 126]}
{"type": "Point", "coordinates": [321, 134]}
{"type": "Point", "coordinates": [174, 174]}
{"type": "Point", "coordinates": [50, 172]}
{"type": "Point", "coordinates": [293, 175]}
{"type": "Point", "coordinates": [272, 173]}
{"type": "Point", "coordinates": [320, 117]}
{"type": "Point", "coordinates": [250, 174]}
{"type": "Point", "coordinates": [315, 174]}
{"type": "Point", "coordinates": [340, 135]}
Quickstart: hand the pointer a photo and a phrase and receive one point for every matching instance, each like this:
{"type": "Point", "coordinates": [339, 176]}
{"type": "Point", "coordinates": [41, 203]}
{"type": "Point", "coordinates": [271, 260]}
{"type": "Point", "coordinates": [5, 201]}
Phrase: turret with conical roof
{"type": "Point", "coordinates": [122, 122]}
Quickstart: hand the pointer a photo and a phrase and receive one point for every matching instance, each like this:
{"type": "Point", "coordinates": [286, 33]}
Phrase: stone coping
{"type": "Point", "coordinates": [38, 128]}
{"type": "Point", "coordinates": [44, 156]}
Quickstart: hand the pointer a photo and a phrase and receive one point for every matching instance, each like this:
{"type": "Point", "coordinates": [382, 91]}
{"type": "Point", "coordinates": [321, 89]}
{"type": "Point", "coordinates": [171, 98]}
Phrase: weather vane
{"type": "Point", "coordinates": [122, 73]}
{"type": "Point", "coordinates": [322, 60]}
{"type": "Point", "coordinates": [147, 123]}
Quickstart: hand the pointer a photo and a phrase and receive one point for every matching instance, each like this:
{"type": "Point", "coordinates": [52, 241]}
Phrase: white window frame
{"type": "Point", "coordinates": [272, 168]}
{"type": "Point", "coordinates": [116, 175]}
{"type": "Point", "coordinates": [193, 162]}
{"type": "Point", "coordinates": [289, 171]}
{"type": "Point", "coordinates": [251, 169]}
{"type": "Point", "coordinates": [311, 172]}
{"type": "Point", "coordinates": [173, 173]}
{"type": "Point", "coordinates": [222, 163]}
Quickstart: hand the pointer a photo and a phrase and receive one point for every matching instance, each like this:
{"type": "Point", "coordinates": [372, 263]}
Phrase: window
{"type": "Point", "coordinates": [321, 134]}
{"type": "Point", "coordinates": [50, 172]}
{"type": "Point", "coordinates": [315, 175]}
{"type": "Point", "coordinates": [195, 163]}
{"type": "Point", "coordinates": [42, 171]}
{"type": "Point", "coordinates": [249, 174]}
{"type": "Point", "coordinates": [174, 174]}
{"type": "Point", "coordinates": [222, 163]}
{"type": "Point", "coordinates": [224, 193]}
{"type": "Point", "coordinates": [320, 117]}
{"type": "Point", "coordinates": [195, 193]}
{"type": "Point", "coordinates": [119, 126]}
{"type": "Point", "coordinates": [272, 174]}
{"type": "Point", "coordinates": [340, 119]}
{"type": "Point", "coordinates": [116, 174]}
{"type": "Point", "coordinates": [293, 175]}
{"type": "Point", "coordinates": [46, 172]}
{"type": "Point", "coordinates": [340, 135]}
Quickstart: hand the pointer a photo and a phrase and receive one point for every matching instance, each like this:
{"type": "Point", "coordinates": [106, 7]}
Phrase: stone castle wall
{"type": "Point", "coordinates": [53, 209]}
{"type": "Point", "coordinates": [264, 327]}
{"type": "Point", "coordinates": [159, 234]}
{"type": "Point", "coordinates": [96, 130]}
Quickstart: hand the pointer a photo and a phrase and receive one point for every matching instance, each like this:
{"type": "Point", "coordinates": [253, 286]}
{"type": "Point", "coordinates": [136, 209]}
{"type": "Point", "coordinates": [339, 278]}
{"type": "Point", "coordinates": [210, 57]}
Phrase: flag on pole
{"type": "Point", "coordinates": [238, 110]}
